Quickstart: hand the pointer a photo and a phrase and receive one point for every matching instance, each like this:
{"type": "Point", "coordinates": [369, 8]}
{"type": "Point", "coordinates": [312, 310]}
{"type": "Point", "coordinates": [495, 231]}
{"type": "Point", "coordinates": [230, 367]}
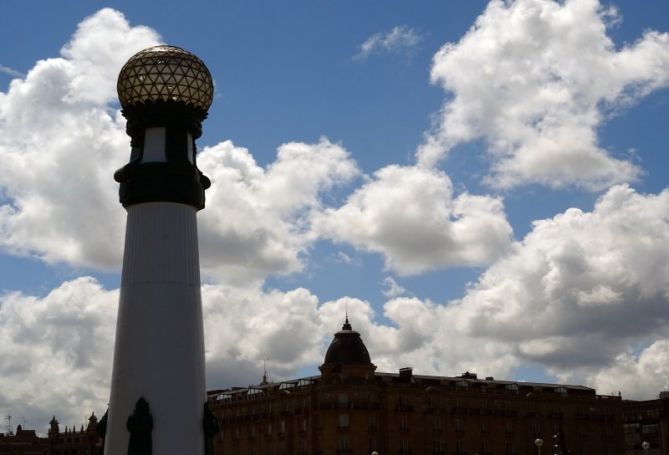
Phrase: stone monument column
{"type": "Point", "coordinates": [158, 383]}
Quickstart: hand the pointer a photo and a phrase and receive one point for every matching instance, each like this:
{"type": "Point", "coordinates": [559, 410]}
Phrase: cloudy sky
{"type": "Point", "coordinates": [484, 185]}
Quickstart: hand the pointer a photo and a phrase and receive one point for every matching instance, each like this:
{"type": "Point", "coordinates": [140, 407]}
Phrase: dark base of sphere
{"type": "Point", "coordinates": [161, 182]}
{"type": "Point", "coordinates": [163, 113]}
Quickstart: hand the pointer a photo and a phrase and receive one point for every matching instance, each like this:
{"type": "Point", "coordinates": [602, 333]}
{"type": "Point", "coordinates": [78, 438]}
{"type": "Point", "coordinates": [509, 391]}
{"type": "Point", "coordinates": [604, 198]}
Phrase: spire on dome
{"type": "Point", "coordinates": [347, 325]}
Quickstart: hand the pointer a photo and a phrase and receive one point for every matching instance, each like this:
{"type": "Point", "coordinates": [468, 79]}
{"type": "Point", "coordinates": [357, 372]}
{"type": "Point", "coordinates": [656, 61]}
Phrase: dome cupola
{"type": "Point", "coordinates": [347, 348]}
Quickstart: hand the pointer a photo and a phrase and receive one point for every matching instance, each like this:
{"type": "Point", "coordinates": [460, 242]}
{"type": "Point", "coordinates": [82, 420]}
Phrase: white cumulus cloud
{"type": "Point", "coordinates": [581, 287]}
{"type": "Point", "coordinates": [399, 39]}
{"type": "Point", "coordinates": [257, 219]}
{"type": "Point", "coordinates": [10, 71]}
{"type": "Point", "coordinates": [56, 352]}
{"type": "Point", "coordinates": [535, 79]}
{"type": "Point", "coordinates": [60, 143]}
{"type": "Point", "coordinates": [411, 216]}
{"type": "Point", "coordinates": [392, 288]}
{"type": "Point", "coordinates": [638, 375]}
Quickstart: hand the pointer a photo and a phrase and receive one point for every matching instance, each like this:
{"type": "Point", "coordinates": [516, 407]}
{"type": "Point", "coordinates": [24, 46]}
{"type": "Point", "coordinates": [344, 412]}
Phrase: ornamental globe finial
{"type": "Point", "coordinates": [168, 74]}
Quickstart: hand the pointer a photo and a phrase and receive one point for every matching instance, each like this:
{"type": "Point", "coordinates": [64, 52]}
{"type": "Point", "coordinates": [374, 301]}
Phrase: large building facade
{"type": "Point", "coordinates": [353, 409]}
{"type": "Point", "coordinates": [647, 422]}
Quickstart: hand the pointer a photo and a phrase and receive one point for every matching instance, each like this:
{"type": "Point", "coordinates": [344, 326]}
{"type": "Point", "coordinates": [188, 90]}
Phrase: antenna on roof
{"type": "Point", "coordinates": [264, 374]}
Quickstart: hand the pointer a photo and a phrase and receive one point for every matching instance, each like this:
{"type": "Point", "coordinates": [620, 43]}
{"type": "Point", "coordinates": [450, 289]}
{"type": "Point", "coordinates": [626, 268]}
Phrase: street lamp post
{"type": "Point", "coordinates": [539, 443]}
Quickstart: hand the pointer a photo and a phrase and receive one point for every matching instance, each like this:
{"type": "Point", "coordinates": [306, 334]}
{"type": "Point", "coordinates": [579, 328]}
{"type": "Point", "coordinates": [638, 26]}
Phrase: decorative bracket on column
{"type": "Point", "coordinates": [140, 425]}
{"type": "Point", "coordinates": [210, 428]}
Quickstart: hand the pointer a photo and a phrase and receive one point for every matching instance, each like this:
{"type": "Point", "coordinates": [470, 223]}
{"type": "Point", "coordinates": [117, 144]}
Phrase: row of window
{"type": "Point", "coordinates": [267, 408]}
{"type": "Point", "coordinates": [435, 422]}
{"type": "Point", "coordinates": [257, 392]}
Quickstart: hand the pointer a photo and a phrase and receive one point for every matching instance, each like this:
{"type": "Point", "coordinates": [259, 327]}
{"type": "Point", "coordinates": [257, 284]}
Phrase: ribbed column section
{"type": "Point", "coordinates": [156, 227]}
{"type": "Point", "coordinates": [159, 352]}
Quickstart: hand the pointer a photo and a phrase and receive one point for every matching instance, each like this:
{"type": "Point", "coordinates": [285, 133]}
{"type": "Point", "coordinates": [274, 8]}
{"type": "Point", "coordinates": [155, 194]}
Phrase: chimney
{"type": "Point", "coordinates": [406, 374]}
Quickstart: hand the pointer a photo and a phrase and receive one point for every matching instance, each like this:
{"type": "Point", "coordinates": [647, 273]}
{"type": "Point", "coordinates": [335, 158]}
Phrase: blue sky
{"type": "Point", "coordinates": [484, 185]}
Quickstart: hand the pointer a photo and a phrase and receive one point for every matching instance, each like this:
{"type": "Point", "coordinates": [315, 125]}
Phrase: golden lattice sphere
{"type": "Point", "coordinates": [165, 73]}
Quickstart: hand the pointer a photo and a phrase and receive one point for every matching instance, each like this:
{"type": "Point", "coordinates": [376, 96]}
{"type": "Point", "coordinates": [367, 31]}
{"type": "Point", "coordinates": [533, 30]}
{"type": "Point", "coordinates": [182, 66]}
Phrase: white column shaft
{"type": "Point", "coordinates": [159, 352]}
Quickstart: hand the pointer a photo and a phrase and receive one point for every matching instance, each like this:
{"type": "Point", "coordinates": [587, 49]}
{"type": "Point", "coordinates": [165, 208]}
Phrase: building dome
{"type": "Point", "coordinates": [347, 348]}
{"type": "Point", "coordinates": [168, 74]}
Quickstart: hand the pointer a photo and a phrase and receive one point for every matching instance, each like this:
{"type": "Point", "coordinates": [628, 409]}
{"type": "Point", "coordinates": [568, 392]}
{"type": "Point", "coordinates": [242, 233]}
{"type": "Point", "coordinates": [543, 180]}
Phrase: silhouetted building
{"type": "Point", "coordinates": [352, 409]}
{"type": "Point", "coordinates": [22, 442]}
{"type": "Point", "coordinates": [647, 421]}
{"type": "Point", "coordinates": [70, 441]}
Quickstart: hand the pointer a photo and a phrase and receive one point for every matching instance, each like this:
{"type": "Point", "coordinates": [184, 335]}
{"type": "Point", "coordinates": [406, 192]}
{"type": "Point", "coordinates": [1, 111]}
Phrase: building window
{"type": "Point", "coordinates": [536, 427]}
{"type": "Point", "coordinates": [304, 424]}
{"type": "Point", "coordinates": [343, 421]}
{"type": "Point", "coordinates": [372, 444]}
{"type": "Point", "coordinates": [459, 448]}
{"type": "Point", "coordinates": [509, 426]}
{"type": "Point", "coordinates": [404, 423]}
{"type": "Point", "coordinates": [283, 426]}
{"type": "Point", "coordinates": [436, 423]}
{"type": "Point", "coordinates": [650, 429]}
{"type": "Point", "coordinates": [509, 448]}
{"type": "Point", "coordinates": [342, 399]}
{"type": "Point", "coordinates": [372, 421]}
{"type": "Point", "coordinates": [484, 426]}
{"type": "Point", "coordinates": [269, 428]}
{"type": "Point", "coordinates": [343, 443]}
{"type": "Point", "coordinates": [403, 404]}
{"type": "Point", "coordinates": [459, 426]}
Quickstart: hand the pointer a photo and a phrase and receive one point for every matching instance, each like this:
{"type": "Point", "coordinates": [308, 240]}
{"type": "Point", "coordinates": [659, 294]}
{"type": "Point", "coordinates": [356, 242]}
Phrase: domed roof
{"type": "Point", "coordinates": [347, 348]}
{"type": "Point", "coordinates": [165, 73]}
